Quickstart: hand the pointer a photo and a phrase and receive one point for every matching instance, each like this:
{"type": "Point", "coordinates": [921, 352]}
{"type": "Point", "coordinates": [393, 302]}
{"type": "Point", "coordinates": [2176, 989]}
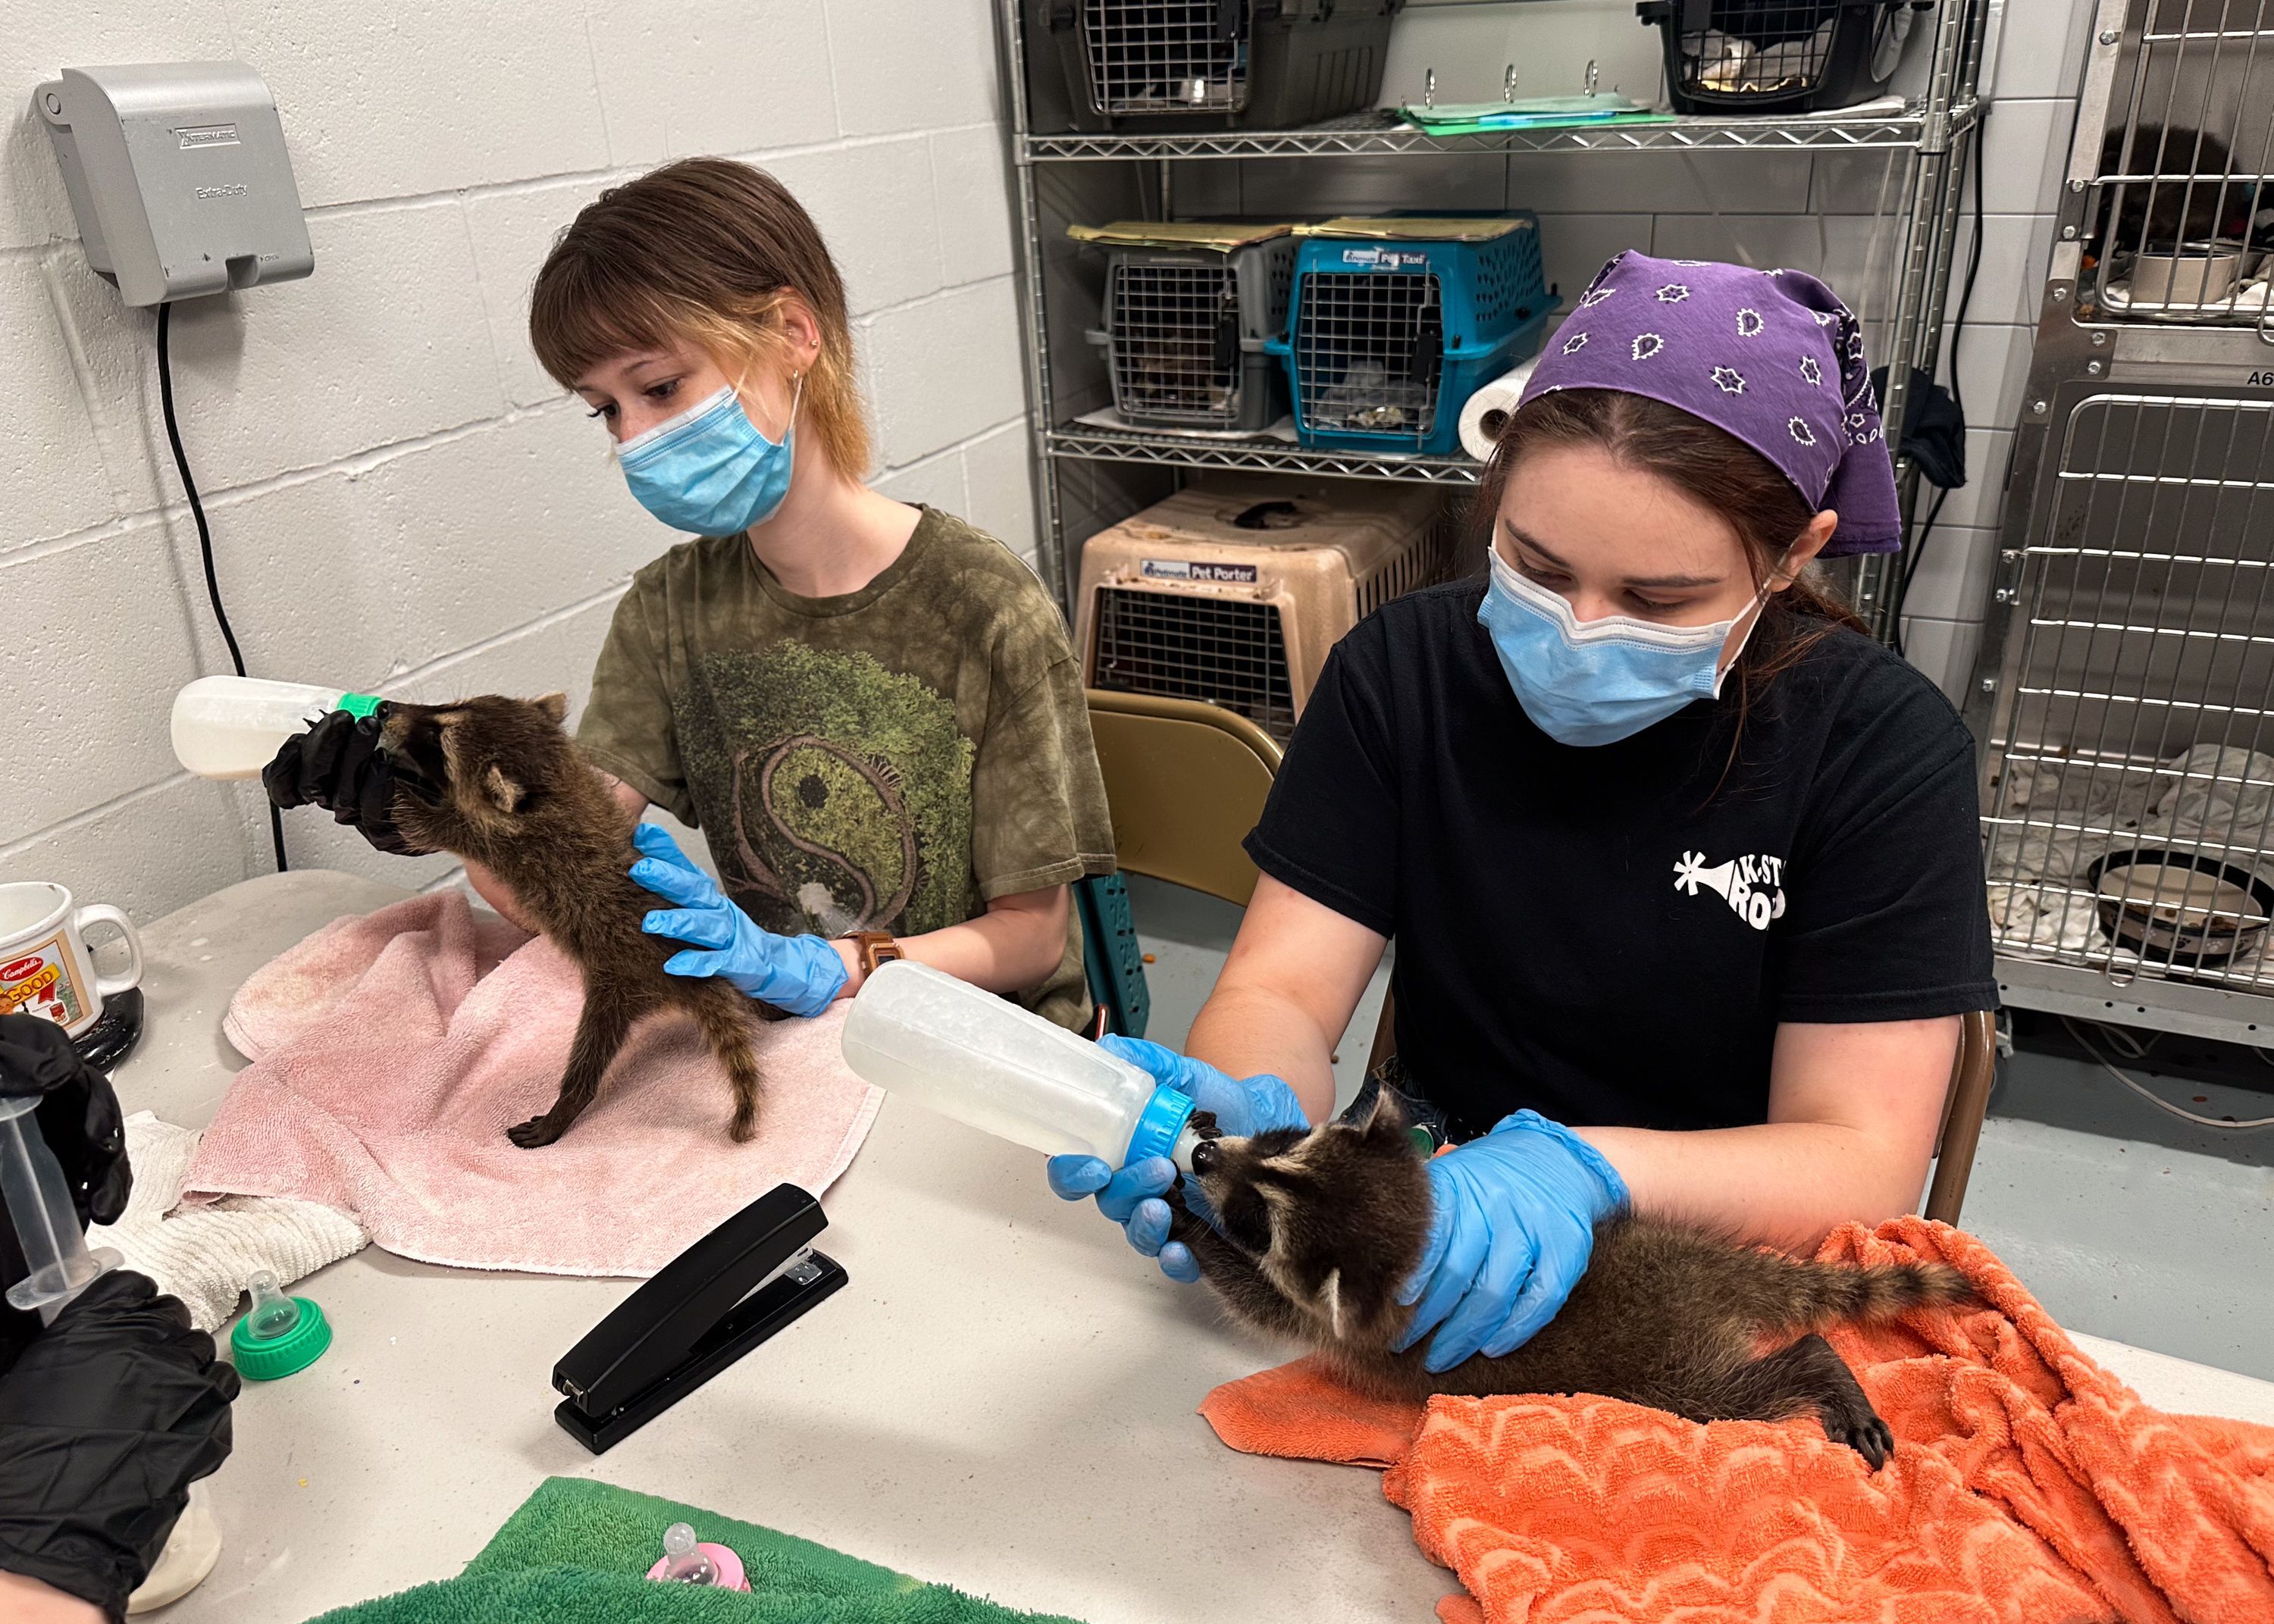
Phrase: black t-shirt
{"type": "Point", "coordinates": [1611, 935]}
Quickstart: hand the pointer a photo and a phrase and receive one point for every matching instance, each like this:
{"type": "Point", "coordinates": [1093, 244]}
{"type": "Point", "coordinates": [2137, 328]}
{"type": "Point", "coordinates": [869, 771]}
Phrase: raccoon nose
{"type": "Point", "coordinates": [1205, 1156]}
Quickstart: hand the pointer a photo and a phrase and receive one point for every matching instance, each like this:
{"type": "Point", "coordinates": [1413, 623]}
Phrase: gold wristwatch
{"type": "Point", "coordinates": [872, 948]}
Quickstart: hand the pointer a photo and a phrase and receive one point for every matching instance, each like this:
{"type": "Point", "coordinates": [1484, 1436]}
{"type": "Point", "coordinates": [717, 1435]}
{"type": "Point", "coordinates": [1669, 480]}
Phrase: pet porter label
{"type": "Point", "coordinates": [41, 982]}
{"type": "Point", "coordinates": [1197, 569]}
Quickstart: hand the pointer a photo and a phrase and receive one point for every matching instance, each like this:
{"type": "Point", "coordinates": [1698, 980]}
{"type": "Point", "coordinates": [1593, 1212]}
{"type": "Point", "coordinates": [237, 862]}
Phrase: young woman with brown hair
{"type": "Point", "coordinates": [870, 710]}
{"type": "Point", "coordinates": [1671, 852]}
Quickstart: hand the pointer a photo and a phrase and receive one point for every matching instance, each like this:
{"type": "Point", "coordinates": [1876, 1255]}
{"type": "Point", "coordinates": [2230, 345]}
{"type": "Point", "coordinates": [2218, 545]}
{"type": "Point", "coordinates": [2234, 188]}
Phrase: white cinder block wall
{"type": "Point", "coordinates": [400, 498]}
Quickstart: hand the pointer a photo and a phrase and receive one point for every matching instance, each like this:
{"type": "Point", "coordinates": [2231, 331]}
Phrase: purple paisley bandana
{"type": "Point", "coordinates": [1773, 357]}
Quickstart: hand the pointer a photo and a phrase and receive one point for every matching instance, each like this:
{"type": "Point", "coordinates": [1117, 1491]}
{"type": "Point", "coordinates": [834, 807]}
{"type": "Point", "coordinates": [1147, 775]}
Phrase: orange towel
{"type": "Point", "coordinates": [2029, 1485]}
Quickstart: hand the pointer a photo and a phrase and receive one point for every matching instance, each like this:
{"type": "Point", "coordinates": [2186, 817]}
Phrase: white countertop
{"type": "Point", "coordinates": [1001, 1399]}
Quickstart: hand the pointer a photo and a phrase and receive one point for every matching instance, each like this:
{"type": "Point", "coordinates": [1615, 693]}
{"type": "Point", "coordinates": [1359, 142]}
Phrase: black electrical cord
{"type": "Point", "coordinates": [1917, 549]}
{"type": "Point", "coordinates": [205, 533]}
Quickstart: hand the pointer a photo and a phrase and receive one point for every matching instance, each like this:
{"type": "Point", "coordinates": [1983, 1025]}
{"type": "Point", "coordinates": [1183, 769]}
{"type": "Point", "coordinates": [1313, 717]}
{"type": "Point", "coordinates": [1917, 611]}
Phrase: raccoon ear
{"type": "Point", "coordinates": [1387, 1118]}
{"type": "Point", "coordinates": [501, 790]}
{"type": "Point", "coordinates": [555, 706]}
{"type": "Point", "coordinates": [1330, 1297]}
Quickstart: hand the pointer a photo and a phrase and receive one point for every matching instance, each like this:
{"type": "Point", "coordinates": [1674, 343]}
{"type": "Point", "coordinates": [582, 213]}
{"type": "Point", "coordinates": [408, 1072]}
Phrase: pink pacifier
{"type": "Point", "coordinates": [689, 1561]}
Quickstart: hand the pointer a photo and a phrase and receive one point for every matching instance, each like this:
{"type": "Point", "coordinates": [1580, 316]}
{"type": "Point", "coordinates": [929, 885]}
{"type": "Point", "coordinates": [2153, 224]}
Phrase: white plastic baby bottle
{"type": "Point", "coordinates": [228, 727]}
{"type": "Point", "coordinates": [921, 1035]}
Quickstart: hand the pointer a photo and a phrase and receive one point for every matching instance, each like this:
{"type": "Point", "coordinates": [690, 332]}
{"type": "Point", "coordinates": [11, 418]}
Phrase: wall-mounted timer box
{"type": "Point", "coordinates": [179, 175]}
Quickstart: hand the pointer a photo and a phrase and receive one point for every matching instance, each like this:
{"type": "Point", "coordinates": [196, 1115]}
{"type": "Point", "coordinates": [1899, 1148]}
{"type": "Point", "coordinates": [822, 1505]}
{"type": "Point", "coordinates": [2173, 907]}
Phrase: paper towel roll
{"type": "Point", "coordinates": [1485, 413]}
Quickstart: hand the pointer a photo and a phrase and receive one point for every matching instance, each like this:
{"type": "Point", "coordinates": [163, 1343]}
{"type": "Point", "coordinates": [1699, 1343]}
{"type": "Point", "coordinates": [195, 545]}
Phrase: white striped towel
{"type": "Point", "coordinates": [204, 1255]}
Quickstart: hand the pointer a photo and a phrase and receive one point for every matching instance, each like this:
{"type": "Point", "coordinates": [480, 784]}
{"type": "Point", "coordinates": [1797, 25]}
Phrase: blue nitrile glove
{"type": "Point", "coordinates": [1511, 1227]}
{"type": "Point", "coordinates": [802, 975]}
{"type": "Point", "coordinates": [1132, 1196]}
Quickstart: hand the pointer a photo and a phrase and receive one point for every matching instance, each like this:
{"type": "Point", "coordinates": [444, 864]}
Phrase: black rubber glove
{"type": "Point", "coordinates": [106, 1420]}
{"type": "Point", "coordinates": [337, 765]}
{"type": "Point", "coordinates": [78, 1118]}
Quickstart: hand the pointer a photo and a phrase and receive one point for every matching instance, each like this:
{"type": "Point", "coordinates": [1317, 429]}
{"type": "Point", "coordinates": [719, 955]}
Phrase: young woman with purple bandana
{"type": "Point", "coordinates": [1682, 868]}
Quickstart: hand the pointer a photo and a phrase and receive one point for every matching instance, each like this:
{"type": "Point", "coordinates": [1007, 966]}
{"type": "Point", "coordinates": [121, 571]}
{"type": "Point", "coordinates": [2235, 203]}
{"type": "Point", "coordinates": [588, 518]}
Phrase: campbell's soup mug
{"type": "Point", "coordinates": [45, 968]}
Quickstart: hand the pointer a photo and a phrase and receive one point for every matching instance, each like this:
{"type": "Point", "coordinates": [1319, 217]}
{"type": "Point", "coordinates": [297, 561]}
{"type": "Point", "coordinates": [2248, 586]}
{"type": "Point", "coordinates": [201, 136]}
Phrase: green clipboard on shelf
{"type": "Point", "coordinates": [1514, 112]}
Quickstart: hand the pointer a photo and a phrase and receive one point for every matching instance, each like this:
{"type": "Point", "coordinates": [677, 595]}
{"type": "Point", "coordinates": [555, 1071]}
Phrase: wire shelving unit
{"type": "Point", "coordinates": [1093, 475]}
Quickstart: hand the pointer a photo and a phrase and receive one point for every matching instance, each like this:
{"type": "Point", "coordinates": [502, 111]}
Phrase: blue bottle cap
{"type": "Point", "coordinates": [1158, 1125]}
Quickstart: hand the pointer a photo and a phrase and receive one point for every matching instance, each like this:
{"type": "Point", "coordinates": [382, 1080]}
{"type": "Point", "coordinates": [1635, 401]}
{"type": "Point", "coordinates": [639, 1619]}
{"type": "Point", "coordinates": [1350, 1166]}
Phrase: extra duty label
{"type": "Point", "coordinates": [1385, 259]}
{"type": "Point", "coordinates": [1191, 569]}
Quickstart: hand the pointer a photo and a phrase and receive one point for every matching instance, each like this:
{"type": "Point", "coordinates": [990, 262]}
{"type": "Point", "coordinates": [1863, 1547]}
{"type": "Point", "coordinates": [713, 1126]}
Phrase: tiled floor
{"type": "Point", "coordinates": [2126, 1223]}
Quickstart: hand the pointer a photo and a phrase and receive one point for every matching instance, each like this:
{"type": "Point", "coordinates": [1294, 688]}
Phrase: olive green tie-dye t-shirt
{"type": "Point", "coordinates": [893, 759]}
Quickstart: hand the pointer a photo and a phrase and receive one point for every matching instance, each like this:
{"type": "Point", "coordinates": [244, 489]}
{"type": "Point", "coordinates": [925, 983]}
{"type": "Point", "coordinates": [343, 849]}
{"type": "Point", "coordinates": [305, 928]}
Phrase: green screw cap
{"type": "Point", "coordinates": [360, 704]}
{"type": "Point", "coordinates": [278, 1335]}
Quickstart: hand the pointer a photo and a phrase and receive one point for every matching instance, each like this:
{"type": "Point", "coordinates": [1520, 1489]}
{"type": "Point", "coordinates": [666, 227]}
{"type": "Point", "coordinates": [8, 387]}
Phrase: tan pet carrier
{"type": "Point", "coordinates": [1232, 590]}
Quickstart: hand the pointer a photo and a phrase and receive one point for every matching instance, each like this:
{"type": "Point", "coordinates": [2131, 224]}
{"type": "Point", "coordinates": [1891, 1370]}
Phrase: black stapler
{"type": "Point", "coordinates": [706, 1309]}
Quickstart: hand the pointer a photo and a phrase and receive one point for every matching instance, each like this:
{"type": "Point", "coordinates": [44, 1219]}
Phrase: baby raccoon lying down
{"type": "Point", "coordinates": [497, 780]}
{"type": "Point", "coordinates": [1321, 1227]}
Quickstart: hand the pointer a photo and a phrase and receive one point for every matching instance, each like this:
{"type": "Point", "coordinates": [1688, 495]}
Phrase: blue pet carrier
{"type": "Point", "coordinates": [1393, 323]}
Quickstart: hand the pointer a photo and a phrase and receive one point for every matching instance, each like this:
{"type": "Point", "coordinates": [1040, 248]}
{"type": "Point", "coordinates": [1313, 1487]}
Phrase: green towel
{"type": "Point", "coordinates": [578, 1553]}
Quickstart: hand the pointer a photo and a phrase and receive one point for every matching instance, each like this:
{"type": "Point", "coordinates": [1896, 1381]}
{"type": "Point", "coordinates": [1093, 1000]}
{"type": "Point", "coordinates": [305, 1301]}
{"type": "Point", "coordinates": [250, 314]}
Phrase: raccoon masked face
{"type": "Point", "coordinates": [1334, 1217]}
{"type": "Point", "coordinates": [488, 759]}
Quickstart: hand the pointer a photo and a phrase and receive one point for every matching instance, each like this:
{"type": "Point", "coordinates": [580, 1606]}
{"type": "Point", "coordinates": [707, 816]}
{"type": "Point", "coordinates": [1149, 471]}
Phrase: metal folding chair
{"type": "Point", "coordinates": [1186, 782]}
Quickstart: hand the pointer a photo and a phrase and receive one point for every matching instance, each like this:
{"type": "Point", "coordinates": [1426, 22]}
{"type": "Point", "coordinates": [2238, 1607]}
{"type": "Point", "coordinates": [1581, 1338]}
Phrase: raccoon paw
{"type": "Point", "coordinates": [536, 1133]}
{"type": "Point", "coordinates": [1859, 1427]}
{"type": "Point", "coordinates": [1203, 1124]}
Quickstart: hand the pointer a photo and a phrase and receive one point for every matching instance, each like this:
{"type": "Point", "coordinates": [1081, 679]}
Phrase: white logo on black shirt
{"type": "Point", "coordinates": [1752, 887]}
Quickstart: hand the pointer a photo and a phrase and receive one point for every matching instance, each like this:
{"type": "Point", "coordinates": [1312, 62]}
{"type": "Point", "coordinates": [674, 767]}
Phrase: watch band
{"type": "Point", "coordinates": [875, 947]}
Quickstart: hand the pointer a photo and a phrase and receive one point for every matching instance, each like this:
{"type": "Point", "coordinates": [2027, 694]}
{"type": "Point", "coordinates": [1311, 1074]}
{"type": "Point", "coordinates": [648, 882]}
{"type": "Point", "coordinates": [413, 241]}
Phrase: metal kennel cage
{"type": "Point", "coordinates": [1232, 590]}
{"type": "Point", "coordinates": [2179, 215]}
{"type": "Point", "coordinates": [2126, 691]}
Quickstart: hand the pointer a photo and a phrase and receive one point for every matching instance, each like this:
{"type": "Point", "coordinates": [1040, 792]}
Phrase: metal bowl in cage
{"type": "Point", "coordinates": [2179, 274]}
{"type": "Point", "coordinates": [2186, 908]}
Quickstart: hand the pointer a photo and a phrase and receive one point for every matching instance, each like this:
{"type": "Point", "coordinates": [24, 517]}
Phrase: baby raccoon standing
{"type": "Point", "coordinates": [497, 781]}
{"type": "Point", "coordinates": [1321, 1228]}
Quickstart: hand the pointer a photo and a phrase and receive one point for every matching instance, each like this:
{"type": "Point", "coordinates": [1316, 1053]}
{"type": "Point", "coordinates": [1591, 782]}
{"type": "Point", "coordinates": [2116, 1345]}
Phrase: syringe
{"type": "Point", "coordinates": [46, 1223]}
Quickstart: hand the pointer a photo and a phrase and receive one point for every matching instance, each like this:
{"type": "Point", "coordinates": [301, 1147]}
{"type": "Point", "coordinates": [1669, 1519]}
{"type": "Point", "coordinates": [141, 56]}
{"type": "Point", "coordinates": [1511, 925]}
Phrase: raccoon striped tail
{"type": "Point", "coordinates": [1802, 1296]}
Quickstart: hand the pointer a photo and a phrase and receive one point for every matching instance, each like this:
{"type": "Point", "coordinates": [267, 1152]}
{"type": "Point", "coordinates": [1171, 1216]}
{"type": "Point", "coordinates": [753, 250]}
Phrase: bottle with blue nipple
{"type": "Point", "coordinates": [921, 1035]}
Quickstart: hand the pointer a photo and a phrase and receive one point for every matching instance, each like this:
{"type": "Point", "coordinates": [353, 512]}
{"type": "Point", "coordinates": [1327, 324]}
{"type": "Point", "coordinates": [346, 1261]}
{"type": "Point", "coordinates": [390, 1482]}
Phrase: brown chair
{"type": "Point", "coordinates": [1186, 782]}
{"type": "Point", "coordinates": [1963, 1106]}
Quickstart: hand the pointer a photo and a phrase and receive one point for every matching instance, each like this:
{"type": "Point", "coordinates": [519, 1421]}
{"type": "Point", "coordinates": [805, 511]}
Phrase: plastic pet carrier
{"type": "Point", "coordinates": [1394, 323]}
{"type": "Point", "coordinates": [1749, 57]}
{"type": "Point", "coordinates": [1231, 592]}
{"type": "Point", "coordinates": [1149, 65]}
{"type": "Point", "coordinates": [1188, 308]}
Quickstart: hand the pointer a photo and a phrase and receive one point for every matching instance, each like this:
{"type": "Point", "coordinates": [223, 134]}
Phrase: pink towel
{"type": "Point", "coordinates": [390, 1052]}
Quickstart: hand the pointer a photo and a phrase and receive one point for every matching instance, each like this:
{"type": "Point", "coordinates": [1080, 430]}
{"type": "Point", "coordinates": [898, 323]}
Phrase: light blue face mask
{"type": "Point", "coordinates": [1597, 681]}
{"type": "Point", "coordinates": [708, 470]}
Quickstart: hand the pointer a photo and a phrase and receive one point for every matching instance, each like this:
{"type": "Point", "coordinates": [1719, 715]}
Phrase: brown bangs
{"type": "Point", "coordinates": [704, 251]}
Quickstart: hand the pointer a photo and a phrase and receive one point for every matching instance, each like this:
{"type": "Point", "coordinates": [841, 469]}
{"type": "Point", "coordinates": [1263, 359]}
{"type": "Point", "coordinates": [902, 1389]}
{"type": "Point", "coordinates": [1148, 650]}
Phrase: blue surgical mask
{"type": "Point", "coordinates": [1597, 681]}
{"type": "Point", "coordinates": [708, 470]}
